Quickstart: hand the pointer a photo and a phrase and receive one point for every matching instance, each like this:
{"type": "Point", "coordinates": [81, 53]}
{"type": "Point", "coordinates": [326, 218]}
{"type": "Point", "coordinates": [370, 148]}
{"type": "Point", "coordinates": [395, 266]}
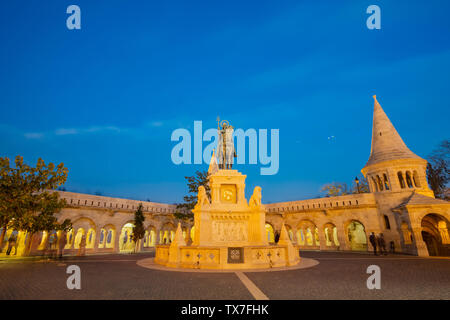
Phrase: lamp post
{"type": "Point", "coordinates": [357, 184]}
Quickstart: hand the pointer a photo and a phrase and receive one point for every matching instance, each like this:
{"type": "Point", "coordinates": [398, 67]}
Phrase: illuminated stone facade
{"type": "Point", "coordinates": [400, 205]}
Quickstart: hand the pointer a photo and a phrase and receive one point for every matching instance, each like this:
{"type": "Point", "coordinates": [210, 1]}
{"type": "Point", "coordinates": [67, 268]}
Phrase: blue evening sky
{"type": "Point", "coordinates": [105, 99]}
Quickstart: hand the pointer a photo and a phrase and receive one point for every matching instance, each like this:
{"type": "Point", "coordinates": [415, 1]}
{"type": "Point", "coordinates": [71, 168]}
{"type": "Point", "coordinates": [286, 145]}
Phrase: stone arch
{"type": "Point", "coordinates": [386, 182]}
{"type": "Point", "coordinates": [80, 233]}
{"type": "Point", "coordinates": [380, 184]}
{"type": "Point", "coordinates": [435, 234]}
{"type": "Point", "coordinates": [290, 232]}
{"type": "Point", "coordinates": [300, 237]}
{"type": "Point", "coordinates": [401, 181]}
{"type": "Point", "coordinates": [20, 240]}
{"type": "Point", "coordinates": [102, 238]}
{"type": "Point", "coordinates": [356, 235]}
{"type": "Point", "coordinates": [110, 236]}
{"type": "Point", "coordinates": [167, 233]}
{"type": "Point", "coordinates": [83, 227]}
{"type": "Point", "coordinates": [309, 231]}
{"type": "Point", "coordinates": [70, 239]}
{"type": "Point", "coordinates": [331, 237]}
{"type": "Point", "coordinates": [126, 243]}
{"type": "Point", "coordinates": [90, 238]}
{"type": "Point", "coordinates": [409, 182]}
{"type": "Point", "coordinates": [270, 233]}
{"type": "Point", "coordinates": [150, 237]}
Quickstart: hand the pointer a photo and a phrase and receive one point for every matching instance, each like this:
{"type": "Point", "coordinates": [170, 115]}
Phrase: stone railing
{"type": "Point", "coordinates": [108, 203]}
{"type": "Point", "coordinates": [351, 200]}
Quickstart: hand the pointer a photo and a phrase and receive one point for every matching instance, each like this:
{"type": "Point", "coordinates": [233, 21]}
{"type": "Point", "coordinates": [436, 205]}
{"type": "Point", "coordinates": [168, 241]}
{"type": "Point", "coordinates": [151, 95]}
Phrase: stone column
{"type": "Point", "coordinates": [159, 236]}
{"type": "Point", "coordinates": [294, 231]}
{"type": "Point", "coordinates": [421, 247]}
{"type": "Point", "coordinates": [322, 239]}
{"type": "Point", "coordinates": [116, 240]}
{"type": "Point", "coordinates": [97, 239]}
{"type": "Point", "coordinates": [343, 240]}
{"type": "Point", "coordinates": [444, 232]}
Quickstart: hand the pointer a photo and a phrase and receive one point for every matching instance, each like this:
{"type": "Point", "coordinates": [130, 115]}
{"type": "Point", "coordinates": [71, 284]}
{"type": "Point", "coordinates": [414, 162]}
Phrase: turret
{"type": "Point", "coordinates": [391, 165]}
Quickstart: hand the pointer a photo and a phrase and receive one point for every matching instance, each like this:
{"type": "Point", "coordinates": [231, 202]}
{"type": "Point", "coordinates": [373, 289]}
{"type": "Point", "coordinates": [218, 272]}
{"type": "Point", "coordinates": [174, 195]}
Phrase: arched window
{"type": "Point", "coordinates": [291, 235]}
{"type": "Point", "coordinates": [416, 179]}
{"type": "Point", "coordinates": [357, 236]}
{"type": "Point", "coordinates": [146, 239]}
{"type": "Point", "coordinates": [375, 185]}
{"type": "Point", "coordinates": [408, 179]}
{"type": "Point", "coordinates": [270, 233]}
{"type": "Point", "coordinates": [386, 182]}
{"type": "Point", "coordinates": [316, 236]}
{"type": "Point", "coordinates": [386, 222]}
{"type": "Point", "coordinates": [400, 179]}
{"type": "Point", "coordinates": [109, 237]}
{"type": "Point", "coordinates": [102, 235]}
{"type": "Point", "coordinates": [300, 237]}
{"type": "Point", "coordinates": [309, 237]}
{"type": "Point", "coordinates": [380, 184]}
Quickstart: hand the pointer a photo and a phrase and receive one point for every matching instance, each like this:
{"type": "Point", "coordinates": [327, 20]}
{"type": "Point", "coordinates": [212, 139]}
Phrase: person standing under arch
{"type": "Point", "coordinates": [82, 248]}
{"type": "Point", "coordinates": [373, 242]}
{"type": "Point", "coordinates": [382, 244]}
{"type": "Point", "coordinates": [61, 244]}
{"type": "Point", "coordinates": [12, 243]}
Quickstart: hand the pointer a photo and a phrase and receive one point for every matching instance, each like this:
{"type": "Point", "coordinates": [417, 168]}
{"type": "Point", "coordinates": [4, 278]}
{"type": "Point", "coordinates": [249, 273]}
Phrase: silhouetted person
{"type": "Point", "coordinates": [373, 242]}
{"type": "Point", "coordinates": [392, 244]}
{"type": "Point", "coordinates": [382, 244]}
{"type": "Point", "coordinates": [51, 245]}
{"type": "Point", "coordinates": [82, 248]}
{"type": "Point", "coordinates": [61, 244]}
{"type": "Point", "coordinates": [12, 242]}
{"type": "Point", "coordinates": [277, 237]}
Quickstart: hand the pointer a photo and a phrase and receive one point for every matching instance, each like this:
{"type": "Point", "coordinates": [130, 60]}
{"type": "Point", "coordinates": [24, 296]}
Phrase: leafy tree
{"type": "Point", "coordinates": [138, 229]}
{"type": "Point", "coordinates": [335, 189]}
{"type": "Point", "coordinates": [438, 169]}
{"type": "Point", "coordinates": [193, 182]}
{"type": "Point", "coordinates": [27, 199]}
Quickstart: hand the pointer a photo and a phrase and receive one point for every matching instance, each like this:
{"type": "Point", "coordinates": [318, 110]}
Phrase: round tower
{"type": "Point", "coordinates": [392, 167]}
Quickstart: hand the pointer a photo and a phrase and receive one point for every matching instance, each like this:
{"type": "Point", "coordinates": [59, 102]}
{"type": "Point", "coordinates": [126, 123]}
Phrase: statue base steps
{"type": "Point", "coordinates": [224, 257]}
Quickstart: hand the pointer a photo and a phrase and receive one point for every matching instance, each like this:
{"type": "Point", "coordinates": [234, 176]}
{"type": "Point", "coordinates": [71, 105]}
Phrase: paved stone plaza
{"type": "Point", "coordinates": [337, 276]}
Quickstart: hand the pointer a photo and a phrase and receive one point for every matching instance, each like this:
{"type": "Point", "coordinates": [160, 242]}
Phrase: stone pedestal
{"type": "Point", "coordinates": [229, 232]}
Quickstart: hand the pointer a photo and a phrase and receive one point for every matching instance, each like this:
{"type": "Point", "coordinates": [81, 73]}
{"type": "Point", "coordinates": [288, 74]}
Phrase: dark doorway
{"type": "Point", "coordinates": [432, 243]}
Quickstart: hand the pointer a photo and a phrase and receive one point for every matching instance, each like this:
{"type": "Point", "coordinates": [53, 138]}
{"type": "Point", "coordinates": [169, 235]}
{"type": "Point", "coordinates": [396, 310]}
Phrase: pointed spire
{"type": "Point", "coordinates": [178, 240]}
{"type": "Point", "coordinates": [284, 236]}
{"type": "Point", "coordinates": [386, 142]}
{"type": "Point", "coordinates": [213, 167]}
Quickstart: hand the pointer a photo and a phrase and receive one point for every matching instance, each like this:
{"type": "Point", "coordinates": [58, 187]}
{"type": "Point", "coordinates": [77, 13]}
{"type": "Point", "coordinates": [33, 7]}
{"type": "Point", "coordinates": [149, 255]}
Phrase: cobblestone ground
{"type": "Point", "coordinates": [337, 276]}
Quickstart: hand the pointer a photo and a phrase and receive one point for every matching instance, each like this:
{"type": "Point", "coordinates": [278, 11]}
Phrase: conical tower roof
{"type": "Point", "coordinates": [213, 167]}
{"type": "Point", "coordinates": [386, 142]}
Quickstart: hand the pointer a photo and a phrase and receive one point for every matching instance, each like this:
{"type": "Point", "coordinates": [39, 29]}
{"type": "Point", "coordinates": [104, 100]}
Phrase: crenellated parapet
{"type": "Point", "coordinates": [352, 201]}
{"type": "Point", "coordinates": [82, 200]}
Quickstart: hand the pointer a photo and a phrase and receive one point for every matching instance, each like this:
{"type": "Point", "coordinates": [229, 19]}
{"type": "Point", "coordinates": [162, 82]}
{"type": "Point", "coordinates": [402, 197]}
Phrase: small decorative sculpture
{"type": "Point", "coordinates": [202, 197]}
{"type": "Point", "coordinates": [255, 200]}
